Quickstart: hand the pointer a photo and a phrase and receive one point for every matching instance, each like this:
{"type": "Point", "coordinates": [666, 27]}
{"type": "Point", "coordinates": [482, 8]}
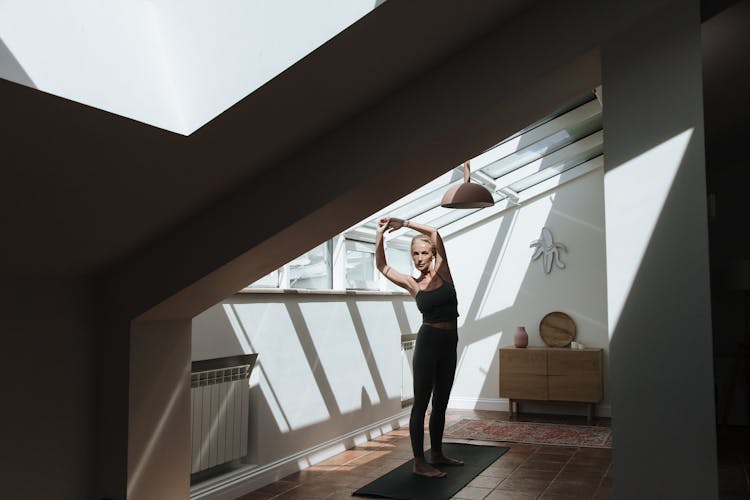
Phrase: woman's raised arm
{"type": "Point", "coordinates": [394, 276]}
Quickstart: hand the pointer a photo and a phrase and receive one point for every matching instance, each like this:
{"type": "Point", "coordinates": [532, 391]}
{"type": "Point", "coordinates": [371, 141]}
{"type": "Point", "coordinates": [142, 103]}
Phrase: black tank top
{"type": "Point", "coordinates": [438, 305]}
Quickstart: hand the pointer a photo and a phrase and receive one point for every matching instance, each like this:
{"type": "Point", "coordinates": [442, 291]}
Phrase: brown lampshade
{"type": "Point", "coordinates": [467, 195]}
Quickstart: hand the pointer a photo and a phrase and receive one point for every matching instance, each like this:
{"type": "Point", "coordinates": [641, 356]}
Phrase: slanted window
{"type": "Point", "coordinates": [399, 258]}
{"type": "Point", "coordinates": [270, 280]}
{"type": "Point", "coordinates": [360, 266]}
{"type": "Point", "coordinates": [312, 270]}
{"type": "Point", "coordinates": [538, 159]}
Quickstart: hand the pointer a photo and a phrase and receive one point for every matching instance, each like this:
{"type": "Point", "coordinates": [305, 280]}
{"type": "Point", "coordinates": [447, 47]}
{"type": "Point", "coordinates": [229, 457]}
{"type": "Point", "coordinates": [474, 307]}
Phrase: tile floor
{"type": "Point", "coordinates": [524, 472]}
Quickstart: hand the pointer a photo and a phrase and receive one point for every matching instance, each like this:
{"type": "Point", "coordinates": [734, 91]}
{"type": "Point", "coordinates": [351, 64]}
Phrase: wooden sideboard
{"type": "Point", "coordinates": [551, 374]}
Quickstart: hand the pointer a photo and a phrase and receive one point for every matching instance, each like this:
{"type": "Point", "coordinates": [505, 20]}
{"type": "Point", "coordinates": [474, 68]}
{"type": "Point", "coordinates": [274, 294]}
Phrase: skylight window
{"type": "Point", "coordinates": [566, 139]}
{"type": "Point", "coordinates": [564, 145]}
{"type": "Point", "coordinates": [173, 65]}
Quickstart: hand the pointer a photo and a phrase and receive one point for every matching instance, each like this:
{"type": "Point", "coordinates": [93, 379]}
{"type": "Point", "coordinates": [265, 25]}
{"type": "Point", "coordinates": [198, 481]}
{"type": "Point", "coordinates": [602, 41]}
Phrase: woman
{"type": "Point", "coordinates": [435, 353]}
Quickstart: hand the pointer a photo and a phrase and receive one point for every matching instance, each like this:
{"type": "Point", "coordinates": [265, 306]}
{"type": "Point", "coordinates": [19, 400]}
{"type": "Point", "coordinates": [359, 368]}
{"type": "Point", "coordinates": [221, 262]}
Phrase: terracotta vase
{"type": "Point", "coordinates": [521, 338]}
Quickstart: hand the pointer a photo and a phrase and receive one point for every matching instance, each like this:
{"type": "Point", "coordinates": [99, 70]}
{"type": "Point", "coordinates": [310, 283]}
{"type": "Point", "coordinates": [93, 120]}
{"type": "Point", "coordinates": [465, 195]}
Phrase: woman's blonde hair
{"type": "Point", "coordinates": [426, 239]}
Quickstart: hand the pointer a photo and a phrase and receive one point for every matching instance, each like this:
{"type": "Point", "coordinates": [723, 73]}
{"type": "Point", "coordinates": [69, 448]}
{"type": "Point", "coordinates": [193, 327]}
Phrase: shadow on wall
{"type": "Point", "coordinates": [327, 365]}
{"type": "Point", "coordinates": [11, 69]}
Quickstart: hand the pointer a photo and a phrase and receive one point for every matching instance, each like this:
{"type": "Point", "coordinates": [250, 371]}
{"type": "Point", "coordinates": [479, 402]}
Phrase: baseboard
{"type": "Point", "coordinates": [242, 481]}
{"type": "Point", "coordinates": [464, 403]}
{"type": "Point", "coordinates": [501, 404]}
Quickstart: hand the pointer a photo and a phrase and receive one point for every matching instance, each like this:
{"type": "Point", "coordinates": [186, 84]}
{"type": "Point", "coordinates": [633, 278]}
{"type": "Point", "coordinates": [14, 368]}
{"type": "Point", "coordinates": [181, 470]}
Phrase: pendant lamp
{"type": "Point", "coordinates": [467, 195]}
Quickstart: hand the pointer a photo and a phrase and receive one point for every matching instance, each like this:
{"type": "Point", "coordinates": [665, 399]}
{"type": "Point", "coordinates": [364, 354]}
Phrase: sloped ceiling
{"type": "Point", "coordinates": [81, 187]}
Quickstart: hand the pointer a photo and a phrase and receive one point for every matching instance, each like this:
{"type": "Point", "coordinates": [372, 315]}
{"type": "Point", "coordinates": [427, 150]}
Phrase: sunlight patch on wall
{"type": "Point", "coordinates": [510, 256]}
{"type": "Point", "coordinates": [289, 374]}
{"type": "Point", "coordinates": [637, 191]}
{"type": "Point", "coordinates": [340, 346]}
{"type": "Point", "coordinates": [137, 465]}
{"type": "Point", "coordinates": [239, 332]}
{"type": "Point", "coordinates": [381, 327]}
{"type": "Point", "coordinates": [474, 364]}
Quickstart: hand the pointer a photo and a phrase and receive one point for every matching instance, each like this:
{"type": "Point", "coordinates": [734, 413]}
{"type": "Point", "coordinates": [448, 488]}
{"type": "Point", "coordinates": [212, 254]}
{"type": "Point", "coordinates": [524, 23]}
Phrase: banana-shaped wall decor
{"type": "Point", "coordinates": [548, 250]}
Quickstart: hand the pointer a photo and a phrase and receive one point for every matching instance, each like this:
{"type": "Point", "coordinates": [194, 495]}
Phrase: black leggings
{"type": "Point", "coordinates": [434, 367]}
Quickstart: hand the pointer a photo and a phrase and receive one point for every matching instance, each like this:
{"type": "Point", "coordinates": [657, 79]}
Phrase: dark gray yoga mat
{"type": "Point", "coordinates": [400, 483]}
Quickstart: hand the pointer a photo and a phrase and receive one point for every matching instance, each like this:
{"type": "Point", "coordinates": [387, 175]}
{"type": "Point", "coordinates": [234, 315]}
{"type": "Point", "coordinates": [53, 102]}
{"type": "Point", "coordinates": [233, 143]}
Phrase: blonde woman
{"type": "Point", "coordinates": [434, 364]}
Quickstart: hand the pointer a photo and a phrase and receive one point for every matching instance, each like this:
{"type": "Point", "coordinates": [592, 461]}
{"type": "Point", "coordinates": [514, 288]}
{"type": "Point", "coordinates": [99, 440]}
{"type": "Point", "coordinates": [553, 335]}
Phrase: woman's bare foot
{"type": "Point", "coordinates": [422, 468]}
{"type": "Point", "coordinates": [439, 458]}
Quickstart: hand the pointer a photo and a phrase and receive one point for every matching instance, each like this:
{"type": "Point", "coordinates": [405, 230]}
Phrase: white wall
{"type": "Point", "coordinates": [328, 364]}
{"type": "Point", "coordinates": [499, 286]}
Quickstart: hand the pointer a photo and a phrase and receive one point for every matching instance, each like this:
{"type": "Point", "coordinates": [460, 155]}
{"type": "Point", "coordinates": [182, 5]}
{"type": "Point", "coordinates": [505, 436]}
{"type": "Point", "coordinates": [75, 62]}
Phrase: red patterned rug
{"type": "Point", "coordinates": [585, 436]}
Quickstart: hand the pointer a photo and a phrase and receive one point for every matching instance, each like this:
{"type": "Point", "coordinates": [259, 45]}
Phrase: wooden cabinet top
{"type": "Point", "coordinates": [550, 348]}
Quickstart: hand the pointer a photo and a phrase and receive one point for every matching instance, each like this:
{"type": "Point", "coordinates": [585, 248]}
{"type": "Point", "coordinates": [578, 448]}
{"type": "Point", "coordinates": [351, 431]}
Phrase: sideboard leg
{"type": "Point", "coordinates": [590, 414]}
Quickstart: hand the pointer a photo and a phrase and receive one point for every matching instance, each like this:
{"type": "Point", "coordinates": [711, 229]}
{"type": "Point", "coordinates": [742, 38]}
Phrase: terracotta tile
{"type": "Point", "coordinates": [339, 480]}
{"type": "Point", "coordinates": [306, 475]}
{"type": "Point", "coordinates": [344, 457]}
{"type": "Point", "coordinates": [522, 448]}
{"type": "Point", "coordinates": [558, 460]}
{"type": "Point", "coordinates": [525, 473]}
{"type": "Point", "coordinates": [529, 486]}
{"type": "Point", "coordinates": [257, 496]}
{"type": "Point", "coordinates": [499, 472]}
{"type": "Point", "coordinates": [542, 465]}
{"type": "Point", "coordinates": [485, 481]}
{"type": "Point", "coordinates": [342, 494]}
{"type": "Point", "coordinates": [590, 462]}
{"type": "Point", "coordinates": [308, 491]}
{"type": "Point", "coordinates": [595, 452]}
{"type": "Point", "coordinates": [509, 495]}
{"type": "Point", "coordinates": [371, 457]}
{"type": "Point", "coordinates": [558, 450]}
{"type": "Point", "coordinates": [584, 469]}
{"type": "Point", "coordinates": [510, 459]}
{"type": "Point", "coordinates": [562, 496]}
{"type": "Point", "coordinates": [472, 493]}
{"type": "Point", "coordinates": [376, 472]}
{"type": "Point", "coordinates": [276, 488]}
{"type": "Point", "coordinates": [563, 488]}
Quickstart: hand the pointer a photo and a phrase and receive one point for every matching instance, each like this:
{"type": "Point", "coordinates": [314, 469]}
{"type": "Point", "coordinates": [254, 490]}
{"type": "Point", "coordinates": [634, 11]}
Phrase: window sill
{"type": "Point", "coordinates": [295, 291]}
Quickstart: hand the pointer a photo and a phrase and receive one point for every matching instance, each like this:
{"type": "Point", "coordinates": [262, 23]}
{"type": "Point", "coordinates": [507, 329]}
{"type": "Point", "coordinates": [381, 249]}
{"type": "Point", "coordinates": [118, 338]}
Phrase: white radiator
{"type": "Point", "coordinates": [219, 401]}
{"type": "Point", "coordinates": [408, 342]}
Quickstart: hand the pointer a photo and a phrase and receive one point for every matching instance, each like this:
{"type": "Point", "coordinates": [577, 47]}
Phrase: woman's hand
{"type": "Point", "coordinates": [390, 224]}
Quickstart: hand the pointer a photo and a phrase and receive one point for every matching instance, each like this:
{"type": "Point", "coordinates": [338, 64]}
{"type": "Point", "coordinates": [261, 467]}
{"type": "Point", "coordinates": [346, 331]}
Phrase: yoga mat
{"type": "Point", "coordinates": [400, 483]}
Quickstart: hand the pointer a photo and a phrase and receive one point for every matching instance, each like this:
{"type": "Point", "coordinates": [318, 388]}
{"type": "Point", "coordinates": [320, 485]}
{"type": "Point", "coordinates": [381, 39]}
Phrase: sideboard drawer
{"type": "Point", "coordinates": [523, 386]}
{"type": "Point", "coordinates": [579, 388]}
{"type": "Point", "coordinates": [517, 361]}
{"type": "Point", "coordinates": [574, 361]}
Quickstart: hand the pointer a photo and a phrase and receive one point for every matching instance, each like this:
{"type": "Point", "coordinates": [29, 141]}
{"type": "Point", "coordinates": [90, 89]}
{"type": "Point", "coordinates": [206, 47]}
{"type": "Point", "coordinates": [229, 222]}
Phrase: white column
{"type": "Point", "coordinates": [159, 410]}
{"type": "Point", "coordinates": [657, 259]}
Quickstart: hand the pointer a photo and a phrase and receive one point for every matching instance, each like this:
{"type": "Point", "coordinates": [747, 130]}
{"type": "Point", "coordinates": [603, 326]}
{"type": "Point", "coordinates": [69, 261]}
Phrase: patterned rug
{"type": "Point", "coordinates": [585, 436]}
